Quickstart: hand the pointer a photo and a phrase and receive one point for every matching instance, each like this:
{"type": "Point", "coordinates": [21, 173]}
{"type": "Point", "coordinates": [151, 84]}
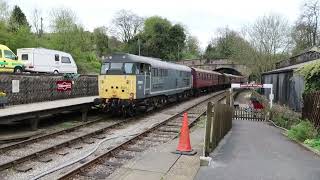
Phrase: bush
{"type": "Point", "coordinates": [314, 143]}
{"type": "Point", "coordinates": [284, 117]}
{"type": "Point", "coordinates": [302, 131]}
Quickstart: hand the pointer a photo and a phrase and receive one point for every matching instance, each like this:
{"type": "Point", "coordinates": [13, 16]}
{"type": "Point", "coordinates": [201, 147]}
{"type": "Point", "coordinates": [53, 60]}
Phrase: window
{"type": "Point", "coordinates": [8, 54]}
{"type": "Point", "coordinates": [56, 57]}
{"type": "Point", "coordinates": [116, 66]}
{"type": "Point", "coordinates": [129, 68]}
{"type": "Point", "coordinates": [65, 60]}
{"type": "Point", "coordinates": [105, 68]}
{"type": "Point", "coordinates": [0, 53]}
{"type": "Point", "coordinates": [24, 57]}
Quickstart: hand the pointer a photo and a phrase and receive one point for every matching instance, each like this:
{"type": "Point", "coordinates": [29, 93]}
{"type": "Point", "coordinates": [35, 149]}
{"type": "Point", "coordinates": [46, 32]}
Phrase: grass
{"type": "Point", "coordinates": [302, 131]}
{"type": "Point", "coordinates": [202, 122]}
{"type": "Point", "coordinates": [313, 143]}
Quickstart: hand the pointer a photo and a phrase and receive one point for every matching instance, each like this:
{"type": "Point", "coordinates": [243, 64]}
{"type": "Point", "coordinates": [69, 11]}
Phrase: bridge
{"type": "Point", "coordinates": [220, 65]}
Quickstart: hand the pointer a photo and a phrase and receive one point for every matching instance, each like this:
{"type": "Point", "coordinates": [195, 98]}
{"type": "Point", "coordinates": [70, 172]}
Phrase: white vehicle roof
{"type": "Point", "coordinates": [43, 50]}
{"type": "Point", "coordinates": [154, 62]}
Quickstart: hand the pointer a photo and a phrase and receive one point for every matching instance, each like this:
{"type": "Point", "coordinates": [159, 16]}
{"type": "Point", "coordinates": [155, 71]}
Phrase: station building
{"type": "Point", "coordinates": [288, 86]}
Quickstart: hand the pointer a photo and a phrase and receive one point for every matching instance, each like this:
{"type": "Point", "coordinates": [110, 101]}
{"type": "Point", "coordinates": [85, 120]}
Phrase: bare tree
{"type": "Point", "coordinates": [63, 20]}
{"type": "Point", "coordinates": [126, 24]}
{"type": "Point", "coordinates": [305, 33]}
{"type": "Point", "coordinates": [271, 35]}
{"type": "Point", "coordinates": [4, 10]}
{"type": "Point", "coordinates": [37, 22]}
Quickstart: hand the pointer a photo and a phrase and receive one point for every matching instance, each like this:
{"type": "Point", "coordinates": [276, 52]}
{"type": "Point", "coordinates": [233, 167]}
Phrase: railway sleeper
{"type": "Point", "coordinates": [111, 163]}
{"type": "Point", "coordinates": [165, 133]}
{"type": "Point", "coordinates": [22, 168]}
{"type": "Point", "coordinates": [44, 159]}
{"type": "Point", "coordinates": [122, 156]}
{"type": "Point", "coordinates": [134, 149]}
{"type": "Point", "coordinates": [173, 130]}
{"type": "Point", "coordinates": [94, 175]}
{"type": "Point", "coordinates": [174, 124]}
{"type": "Point", "coordinates": [87, 141]}
{"type": "Point", "coordinates": [155, 140]}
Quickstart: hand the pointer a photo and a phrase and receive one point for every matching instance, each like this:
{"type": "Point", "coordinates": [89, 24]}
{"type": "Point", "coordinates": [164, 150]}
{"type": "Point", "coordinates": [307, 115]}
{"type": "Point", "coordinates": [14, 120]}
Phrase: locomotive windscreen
{"type": "Point", "coordinates": [119, 68]}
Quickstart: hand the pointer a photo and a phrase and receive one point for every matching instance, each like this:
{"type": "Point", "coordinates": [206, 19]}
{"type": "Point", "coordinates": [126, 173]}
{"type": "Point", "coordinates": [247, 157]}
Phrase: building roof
{"type": "Point", "coordinates": [290, 68]}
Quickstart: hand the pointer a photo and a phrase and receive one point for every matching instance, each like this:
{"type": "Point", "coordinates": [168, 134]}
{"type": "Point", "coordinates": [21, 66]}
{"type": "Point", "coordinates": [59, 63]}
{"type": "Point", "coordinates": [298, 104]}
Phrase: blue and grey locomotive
{"type": "Point", "coordinates": [128, 82]}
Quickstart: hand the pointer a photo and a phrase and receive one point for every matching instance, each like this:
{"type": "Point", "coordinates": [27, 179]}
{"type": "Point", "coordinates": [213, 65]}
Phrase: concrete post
{"type": "Point", "coordinates": [34, 123]}
{"type": "Point", "coordinates": [84, 112]}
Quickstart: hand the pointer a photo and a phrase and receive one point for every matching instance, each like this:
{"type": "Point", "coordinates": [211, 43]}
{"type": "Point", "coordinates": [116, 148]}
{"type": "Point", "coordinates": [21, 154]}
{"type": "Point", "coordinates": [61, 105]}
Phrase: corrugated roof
{"type": "Point", "coordinates": [291, 68]}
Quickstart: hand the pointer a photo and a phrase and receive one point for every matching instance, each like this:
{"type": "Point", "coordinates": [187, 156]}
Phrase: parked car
{"type": "Point", "coordinates": [47, 61]}
{"type": "Point", "coordinates": [9, 61]}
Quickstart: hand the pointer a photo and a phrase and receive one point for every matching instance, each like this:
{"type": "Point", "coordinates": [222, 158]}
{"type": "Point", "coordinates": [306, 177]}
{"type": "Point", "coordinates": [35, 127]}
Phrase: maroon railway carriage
{"type": "Point", "coordinates": [235, 79]}
{"type": "Point", "coordinates": [205, 81]}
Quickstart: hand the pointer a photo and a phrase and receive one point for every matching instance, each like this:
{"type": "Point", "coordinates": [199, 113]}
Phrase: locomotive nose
{"type": "Point", "coordinates": [117, 86]}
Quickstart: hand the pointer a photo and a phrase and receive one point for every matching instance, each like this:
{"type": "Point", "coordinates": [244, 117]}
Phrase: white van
{"type": "Point", "coordinates": [46, 61]}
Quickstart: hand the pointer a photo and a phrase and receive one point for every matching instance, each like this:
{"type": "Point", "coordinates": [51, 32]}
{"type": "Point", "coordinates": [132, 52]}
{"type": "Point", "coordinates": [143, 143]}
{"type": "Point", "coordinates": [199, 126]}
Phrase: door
{"type": "Point", "coordinates": [8, 61]}
{"type": "Point", "coordinates": [147, 71]}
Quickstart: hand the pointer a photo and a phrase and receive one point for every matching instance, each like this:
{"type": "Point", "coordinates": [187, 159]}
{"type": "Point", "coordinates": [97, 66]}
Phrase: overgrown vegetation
{"type": "Point", "coordinates": [302, 131]}
{"type": "Point", "coordinates": [314, 143]}
{"type": "Point", "coordinates": [311, 74]}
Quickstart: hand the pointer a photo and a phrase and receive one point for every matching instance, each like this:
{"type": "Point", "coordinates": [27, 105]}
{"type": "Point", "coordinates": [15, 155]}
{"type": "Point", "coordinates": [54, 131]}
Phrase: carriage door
{"type": "Point", "coordinates": [147, 71]}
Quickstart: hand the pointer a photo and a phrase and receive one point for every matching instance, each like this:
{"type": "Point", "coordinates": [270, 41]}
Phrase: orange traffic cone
{"type": "Point", "coordinates": [184, 146]}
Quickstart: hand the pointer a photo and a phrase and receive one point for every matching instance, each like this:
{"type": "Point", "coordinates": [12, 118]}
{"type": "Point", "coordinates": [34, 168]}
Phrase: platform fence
{"type": "Point", "coordinates": [311, 108]}
{"type": "Point", "coordinates": [39, 88]}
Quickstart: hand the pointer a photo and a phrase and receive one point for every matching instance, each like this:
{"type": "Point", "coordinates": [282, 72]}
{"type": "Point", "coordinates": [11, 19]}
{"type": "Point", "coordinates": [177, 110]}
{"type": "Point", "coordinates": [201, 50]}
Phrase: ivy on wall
{"type": "Point", "coordinates": [311, 74]}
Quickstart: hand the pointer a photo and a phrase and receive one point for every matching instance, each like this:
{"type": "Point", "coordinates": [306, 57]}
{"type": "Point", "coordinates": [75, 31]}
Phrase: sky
{"type": "Point", "coordinates": [200, 17]}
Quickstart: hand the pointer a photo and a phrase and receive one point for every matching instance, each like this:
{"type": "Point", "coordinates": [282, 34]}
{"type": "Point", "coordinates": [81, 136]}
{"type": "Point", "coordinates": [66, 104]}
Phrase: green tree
{"type": "Point", "coordinates": [17, 20]}
{"type": "Point", "coordinates": [159, 38]}
{"type": "Point", "coordinates": [101, 40]}
{"type": "Point", "coordinates": [192, 48]}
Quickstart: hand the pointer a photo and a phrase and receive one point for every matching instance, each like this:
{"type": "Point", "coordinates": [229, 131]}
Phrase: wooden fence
{"type": "Point", "coordinates": [218, 124]}
{"type": "Point", "coordinates": [38, 88]}
{"type": "Point", "coordinates": [311, 108]}
{"type": "Point", "coordinates": [241, 113]}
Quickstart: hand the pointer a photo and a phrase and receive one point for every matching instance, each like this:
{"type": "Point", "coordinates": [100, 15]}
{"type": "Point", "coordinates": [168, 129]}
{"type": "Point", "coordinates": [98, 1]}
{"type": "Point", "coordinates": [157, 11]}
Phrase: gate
{"type": "Point", "coordinates": [241, 113]}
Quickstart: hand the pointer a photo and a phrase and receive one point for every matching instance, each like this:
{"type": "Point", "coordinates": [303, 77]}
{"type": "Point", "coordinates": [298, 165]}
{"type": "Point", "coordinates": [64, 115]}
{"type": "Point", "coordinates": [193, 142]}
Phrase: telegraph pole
{"type": "Point", "coordinates": [139, 46]}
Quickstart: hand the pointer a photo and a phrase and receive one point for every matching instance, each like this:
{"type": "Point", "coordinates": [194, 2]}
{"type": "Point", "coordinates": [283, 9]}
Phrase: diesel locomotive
{"type": "Point", "coordinates": [128, 82]}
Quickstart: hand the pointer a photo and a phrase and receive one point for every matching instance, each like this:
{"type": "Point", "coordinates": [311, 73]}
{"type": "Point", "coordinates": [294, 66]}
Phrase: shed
{"type": "Point", "coordinates": [287, 85]}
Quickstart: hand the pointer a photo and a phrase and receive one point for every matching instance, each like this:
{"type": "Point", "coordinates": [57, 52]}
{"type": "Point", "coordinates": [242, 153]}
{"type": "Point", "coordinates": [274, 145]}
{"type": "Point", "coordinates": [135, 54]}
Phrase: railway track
{"type": "Point", "coordinates": [103, 165]}
{"type": "Point", "coordinates": [31, 140]}
{"type": "Point", "coordinates": [73, 141]}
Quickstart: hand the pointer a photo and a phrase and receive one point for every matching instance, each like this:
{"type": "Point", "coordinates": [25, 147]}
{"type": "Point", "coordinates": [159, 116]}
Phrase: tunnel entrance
{"type": "Point", "coordinates": [228, 71]}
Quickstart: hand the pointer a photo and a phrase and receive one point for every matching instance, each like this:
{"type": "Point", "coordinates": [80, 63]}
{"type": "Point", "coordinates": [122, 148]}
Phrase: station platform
{"type": "Point", "coordinates": [35, 110]}
{"type": "Point", "coordinates": [160, 163]}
